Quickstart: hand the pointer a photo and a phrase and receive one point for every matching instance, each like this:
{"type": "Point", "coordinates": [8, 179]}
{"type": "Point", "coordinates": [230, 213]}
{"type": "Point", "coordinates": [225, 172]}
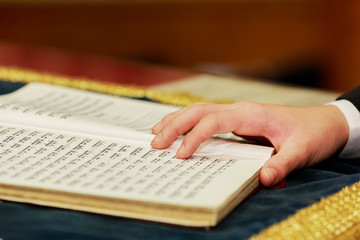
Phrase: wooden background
{"type": "Point", "coordinates": [261, 38]}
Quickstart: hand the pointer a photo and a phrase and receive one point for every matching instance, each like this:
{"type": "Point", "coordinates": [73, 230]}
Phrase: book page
{"type": "Point", "coordinates": [124, 169]}
{"type": "Point", "coordinates": [75, 110]}
{"type": "Point", "coordinates": [60, 108]}
{"type": "Point", "coordinates": [248, 89]}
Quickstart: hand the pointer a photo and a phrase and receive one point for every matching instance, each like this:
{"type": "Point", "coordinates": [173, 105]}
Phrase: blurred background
{"type": "Point", "coordinates": [304, 42]}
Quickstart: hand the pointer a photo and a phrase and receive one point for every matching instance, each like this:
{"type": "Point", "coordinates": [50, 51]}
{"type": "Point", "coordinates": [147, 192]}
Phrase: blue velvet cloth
{"type": "Point", "coordinates": [266, 207]}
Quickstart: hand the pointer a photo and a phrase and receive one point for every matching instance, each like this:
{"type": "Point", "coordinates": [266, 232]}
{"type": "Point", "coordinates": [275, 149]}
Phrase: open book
{"type": "Point", "coordinates": [86, 151]}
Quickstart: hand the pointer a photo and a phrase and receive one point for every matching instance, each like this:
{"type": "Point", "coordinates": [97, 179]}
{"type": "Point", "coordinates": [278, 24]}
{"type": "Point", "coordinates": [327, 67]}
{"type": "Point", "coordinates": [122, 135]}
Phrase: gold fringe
{"type": "Point", "coordinates": [334, 217]}
{"type": "Point", "coordinates": [25, 76]}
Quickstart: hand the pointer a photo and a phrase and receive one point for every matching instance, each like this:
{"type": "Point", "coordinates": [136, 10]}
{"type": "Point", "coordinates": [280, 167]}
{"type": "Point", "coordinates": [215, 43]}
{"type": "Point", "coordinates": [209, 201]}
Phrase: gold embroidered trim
{"type": "Point", "coordinates": [334, 217]}
{"type": "Point", "coordinates": [177, 98]}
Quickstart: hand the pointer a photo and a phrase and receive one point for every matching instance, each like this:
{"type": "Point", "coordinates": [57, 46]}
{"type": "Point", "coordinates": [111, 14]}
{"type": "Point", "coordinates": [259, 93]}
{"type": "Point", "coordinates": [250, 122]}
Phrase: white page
{"type": "Point", "coordinates": [118, 168]}
{"type": "Point", "coordinates": [246, 89]}
{"type": "Point", "coordinates": [56, 107]}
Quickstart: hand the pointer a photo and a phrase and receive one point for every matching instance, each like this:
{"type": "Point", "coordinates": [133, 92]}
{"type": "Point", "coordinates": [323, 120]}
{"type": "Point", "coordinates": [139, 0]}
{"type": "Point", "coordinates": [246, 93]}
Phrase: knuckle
{"type": "Point", "coordinates": [170, 115]}
{"type": "Point", "coordinates": [197, 137]}
{"type": "Point", "coordinates": [285, 164]}
{"type": "Point", "coordinates": [252, 105]}
{"type": "Point", "coordinates": [213, 122]}
{"type": "Point", "coordinates": [178, 131]}
{"type": "Point", "coordinates": [172, 128]}
{"type": "Point", "coordinates": [199, 106]}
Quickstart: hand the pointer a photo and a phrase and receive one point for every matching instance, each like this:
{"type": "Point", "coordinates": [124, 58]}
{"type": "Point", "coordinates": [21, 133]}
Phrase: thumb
{"type": "Point", "coordinates": [278, 167]}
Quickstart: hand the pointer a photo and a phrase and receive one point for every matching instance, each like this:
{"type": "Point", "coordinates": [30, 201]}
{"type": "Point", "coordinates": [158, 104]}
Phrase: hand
{"type": "Point", "coordinates": [301, 136]}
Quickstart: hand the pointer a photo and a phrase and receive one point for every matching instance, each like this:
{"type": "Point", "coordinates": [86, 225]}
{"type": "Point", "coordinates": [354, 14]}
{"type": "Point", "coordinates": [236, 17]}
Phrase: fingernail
{"type": "Point", "coordinates": [270, 174]}
{"type": "Point", "coordinates": [156, 139]}
{"type": "Point", "coordinates": [180, 152]}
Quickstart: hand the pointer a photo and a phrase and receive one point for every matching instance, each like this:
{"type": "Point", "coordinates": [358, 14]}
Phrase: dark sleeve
{"type": "Point", "coordinates": [353, 96]}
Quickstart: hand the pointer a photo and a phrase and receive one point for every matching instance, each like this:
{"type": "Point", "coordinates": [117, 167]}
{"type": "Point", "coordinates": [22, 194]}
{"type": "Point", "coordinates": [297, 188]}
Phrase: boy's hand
{"type": "Point", "coordinates": [301, 136]}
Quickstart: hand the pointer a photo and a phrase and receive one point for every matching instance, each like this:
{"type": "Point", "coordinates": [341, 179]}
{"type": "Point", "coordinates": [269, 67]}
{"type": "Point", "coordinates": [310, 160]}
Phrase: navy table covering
{"type": "Point", "coordinates": [266, 207]}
